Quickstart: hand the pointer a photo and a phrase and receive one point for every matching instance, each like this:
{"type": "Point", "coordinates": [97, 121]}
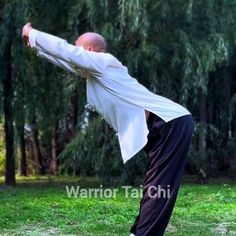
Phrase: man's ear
{"type": "Point", "coordinates": [90, 48]}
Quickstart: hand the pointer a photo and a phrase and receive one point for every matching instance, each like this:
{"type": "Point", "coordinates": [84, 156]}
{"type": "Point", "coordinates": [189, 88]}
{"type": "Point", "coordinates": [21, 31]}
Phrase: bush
{"type": "Point", "coordinates": [95, 151]}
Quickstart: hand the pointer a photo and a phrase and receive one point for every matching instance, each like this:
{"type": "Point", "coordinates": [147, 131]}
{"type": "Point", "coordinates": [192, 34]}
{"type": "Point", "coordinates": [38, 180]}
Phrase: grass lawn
{"type": "Point", "coordinates": [41, 206]}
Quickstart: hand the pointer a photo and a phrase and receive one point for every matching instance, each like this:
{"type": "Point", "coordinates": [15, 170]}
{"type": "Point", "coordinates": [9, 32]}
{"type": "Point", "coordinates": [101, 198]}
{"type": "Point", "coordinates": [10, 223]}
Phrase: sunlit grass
{"type": "Point", "coordinates": [40, 206]}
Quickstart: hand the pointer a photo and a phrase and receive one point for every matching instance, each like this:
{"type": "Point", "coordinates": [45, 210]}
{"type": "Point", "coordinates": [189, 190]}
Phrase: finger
{"type": "Point", "coordinates": [26, 41]}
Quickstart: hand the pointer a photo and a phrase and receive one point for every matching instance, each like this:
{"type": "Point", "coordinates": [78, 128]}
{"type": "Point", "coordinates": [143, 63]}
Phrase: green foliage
{"type": "Point", "coordinates": [231, 148]}
{"type": "Point", "coordinates": [175, 48]}
{"type": "Point", "coordinates": [2, 152]}
{"type": "Point", "coordinates": [94, 151]}
{"type": "Point", "coordinates": [215, 157]}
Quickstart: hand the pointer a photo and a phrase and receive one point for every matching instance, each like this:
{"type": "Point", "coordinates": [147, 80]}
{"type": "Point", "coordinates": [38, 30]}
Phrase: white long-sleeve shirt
{"type": "Point", "coordinates": [111, 91]}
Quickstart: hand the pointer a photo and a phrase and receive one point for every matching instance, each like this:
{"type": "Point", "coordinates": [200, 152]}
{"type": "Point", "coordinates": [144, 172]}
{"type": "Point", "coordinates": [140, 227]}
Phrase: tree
{"type": "Point", "coordinates": [7, 80]}
{"type": "Point", "coordinates": [183, 50]}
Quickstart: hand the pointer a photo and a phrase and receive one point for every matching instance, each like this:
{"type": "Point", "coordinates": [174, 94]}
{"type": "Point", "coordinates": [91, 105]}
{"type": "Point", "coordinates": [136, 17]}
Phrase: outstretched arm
{"type": "Point", "coordinates": [62, 50]}
{"type": "Point", "coordinates": [56, 61]}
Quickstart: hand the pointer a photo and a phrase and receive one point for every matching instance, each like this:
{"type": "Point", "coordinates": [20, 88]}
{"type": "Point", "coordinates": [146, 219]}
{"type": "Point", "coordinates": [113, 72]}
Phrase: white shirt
{"type": "Point", "coordinates": [113, 93]}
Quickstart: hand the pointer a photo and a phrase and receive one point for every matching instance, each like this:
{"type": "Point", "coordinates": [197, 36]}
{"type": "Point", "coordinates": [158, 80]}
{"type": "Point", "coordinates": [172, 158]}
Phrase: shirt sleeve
{"type": "Point", "coordinates": [56, 61]}
{"type": "Point", "coordinates": [61, 49]}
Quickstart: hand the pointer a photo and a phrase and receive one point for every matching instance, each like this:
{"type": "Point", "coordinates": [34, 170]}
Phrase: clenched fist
{"type": "Point", "coordinates": [25, 34]}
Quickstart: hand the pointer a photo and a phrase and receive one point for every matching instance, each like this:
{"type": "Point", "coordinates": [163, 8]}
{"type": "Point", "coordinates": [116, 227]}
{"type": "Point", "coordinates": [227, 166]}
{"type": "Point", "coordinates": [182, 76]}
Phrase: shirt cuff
{"type": "Point", "coordinates": [32, 37]}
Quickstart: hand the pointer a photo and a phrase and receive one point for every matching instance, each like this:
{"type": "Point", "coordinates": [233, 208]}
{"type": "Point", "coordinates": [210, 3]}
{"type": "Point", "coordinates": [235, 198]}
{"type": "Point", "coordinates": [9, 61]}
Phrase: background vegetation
{"type": "Point", "coordinates": [181, 49]}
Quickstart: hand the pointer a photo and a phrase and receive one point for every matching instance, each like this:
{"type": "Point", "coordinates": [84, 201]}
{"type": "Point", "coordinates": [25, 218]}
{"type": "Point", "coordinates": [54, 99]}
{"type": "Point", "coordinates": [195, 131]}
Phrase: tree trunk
{"type": "Point", "coordinates": [23, 163]}
{"type": "Point", "coordinates": [202, 136]}
{"type": "Point", "coordinates": [74, 102]}
{"type": "Point", "coordinates": [53, 164]}
{"type": "Point", "coordinates": [72, 120]}
{"type": "Point", "coordinates": [36, 149]}
{"type": "Point", "coordinates": [8, 117]}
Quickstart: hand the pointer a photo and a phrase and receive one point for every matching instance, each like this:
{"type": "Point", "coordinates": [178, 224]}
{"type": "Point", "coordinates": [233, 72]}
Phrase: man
{"type": "Point", "coordinates": [141, 119]}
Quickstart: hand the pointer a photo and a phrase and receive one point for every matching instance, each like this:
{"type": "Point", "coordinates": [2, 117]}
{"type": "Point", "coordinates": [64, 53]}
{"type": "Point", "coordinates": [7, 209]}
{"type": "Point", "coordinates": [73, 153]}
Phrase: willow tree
{"type": "Point", "coordinates": [173, 47]}
{"type": "Point", "coordinates": [13, 63]}
{"type": "Point", "coordinates": [8, 30]}
{"type": "Point", "coordinates": [50, 101]}
{"type": "Point", "coordinates": [192, 39]}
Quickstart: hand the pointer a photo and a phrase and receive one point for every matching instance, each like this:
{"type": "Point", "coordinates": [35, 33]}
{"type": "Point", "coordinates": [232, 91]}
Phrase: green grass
{"type": "Point", "coordinates": [40, 206]}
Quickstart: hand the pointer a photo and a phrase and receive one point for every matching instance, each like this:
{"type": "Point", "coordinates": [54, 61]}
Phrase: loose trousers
{"type": "Point", "coordinates": [167, 149]}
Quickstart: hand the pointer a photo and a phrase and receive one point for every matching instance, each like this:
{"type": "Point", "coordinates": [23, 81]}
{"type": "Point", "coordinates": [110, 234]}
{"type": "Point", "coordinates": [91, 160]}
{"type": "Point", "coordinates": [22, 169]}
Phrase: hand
{"type": "Point", "coordinates": [26, 29]}
{"type": "Point", "coordinates": [25, 34]}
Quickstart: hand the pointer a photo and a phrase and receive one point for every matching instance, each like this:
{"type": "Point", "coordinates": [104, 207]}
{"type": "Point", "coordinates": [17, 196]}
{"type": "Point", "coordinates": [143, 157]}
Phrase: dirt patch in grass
{"type": "Point", "coordinates": [35, 230]}
{"type": "Point", "coordinates": [223, 229]}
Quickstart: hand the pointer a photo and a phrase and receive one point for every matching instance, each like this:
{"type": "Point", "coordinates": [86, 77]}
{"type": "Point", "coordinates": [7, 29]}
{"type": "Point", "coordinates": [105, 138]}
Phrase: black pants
{"type": "Point", "coordinates": [167, 148]}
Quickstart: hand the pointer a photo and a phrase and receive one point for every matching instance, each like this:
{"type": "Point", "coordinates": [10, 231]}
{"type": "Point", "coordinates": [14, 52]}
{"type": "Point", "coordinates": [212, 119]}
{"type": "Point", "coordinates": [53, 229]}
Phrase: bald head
{"type": "Point", "coordinates": [91, 42]}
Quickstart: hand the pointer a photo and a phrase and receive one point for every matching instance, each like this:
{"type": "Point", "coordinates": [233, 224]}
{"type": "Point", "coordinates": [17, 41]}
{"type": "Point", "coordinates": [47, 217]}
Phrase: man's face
{"type": "Point", "coordinates": [78, 43]}
{"type": "Point", "coordinates": [81, 42]}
